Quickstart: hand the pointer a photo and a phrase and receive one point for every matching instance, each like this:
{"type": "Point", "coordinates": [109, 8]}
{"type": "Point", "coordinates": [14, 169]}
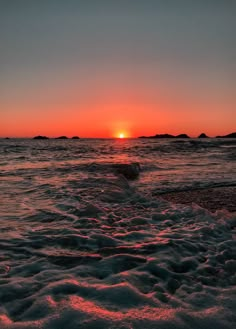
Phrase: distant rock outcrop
{"type": "Point", "coordinates": [40, 137]}
{"type": "Point", "coordinates": [166, 136]}
{"type": "Point", "coordinates": [182, 136]}
{"type": "Point", "coordinates": [75, 137]}
{"type": "Point", "coordinates": [129, 170]}
{"type": "Point", "coordinates": [232, 135]}
{"type": "Point", "coordinates": [203, 135]}
{"type": "Point", "coordinates": [159, 136]}
{"type": "Point", "coordinates": [62, 137]}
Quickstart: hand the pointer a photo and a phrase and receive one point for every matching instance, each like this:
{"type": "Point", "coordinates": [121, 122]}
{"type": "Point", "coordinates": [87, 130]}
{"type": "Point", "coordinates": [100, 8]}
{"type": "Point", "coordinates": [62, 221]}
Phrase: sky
{"type": "Point", "coordinates": [98, 68]}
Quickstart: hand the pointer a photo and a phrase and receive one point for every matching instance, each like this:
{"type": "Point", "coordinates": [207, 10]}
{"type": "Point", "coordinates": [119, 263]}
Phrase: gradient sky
{"type": "Point", "coordinates": [95, 68]}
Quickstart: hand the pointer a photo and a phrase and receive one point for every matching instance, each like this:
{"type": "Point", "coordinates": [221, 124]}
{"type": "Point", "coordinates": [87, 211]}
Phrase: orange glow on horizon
{"type": "Point", "coordinates": [109, 121]}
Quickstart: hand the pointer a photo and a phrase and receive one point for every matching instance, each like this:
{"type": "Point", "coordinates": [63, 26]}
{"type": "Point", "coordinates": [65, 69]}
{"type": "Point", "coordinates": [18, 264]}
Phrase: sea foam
{"type": "Point", "coordinates": [90, 249]}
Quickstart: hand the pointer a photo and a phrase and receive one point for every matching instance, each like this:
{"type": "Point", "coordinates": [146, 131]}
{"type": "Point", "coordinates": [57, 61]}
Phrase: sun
{"type": "Point", "coordinates": [122, 134]}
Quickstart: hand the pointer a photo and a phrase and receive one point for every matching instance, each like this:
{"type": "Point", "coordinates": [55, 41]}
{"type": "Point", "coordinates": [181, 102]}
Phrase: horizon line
{"type": "Point", "coordinates": [114, 137]}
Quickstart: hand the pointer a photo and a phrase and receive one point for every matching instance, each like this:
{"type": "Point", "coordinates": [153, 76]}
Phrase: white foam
{"type": "Point", "coordinates": [97, 252]}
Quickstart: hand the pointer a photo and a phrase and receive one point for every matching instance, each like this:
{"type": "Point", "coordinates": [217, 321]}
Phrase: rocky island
{"type": "Point", "coordinates": [232, 135]}
{"type": "Point", "coordinates": [62, 137]}
{"type": "Point", "coordinates": [203, 135]}
{"type": "Point", "coordinates": [166, 136]}
{"type": "Point", "coordinates": [40, 137]}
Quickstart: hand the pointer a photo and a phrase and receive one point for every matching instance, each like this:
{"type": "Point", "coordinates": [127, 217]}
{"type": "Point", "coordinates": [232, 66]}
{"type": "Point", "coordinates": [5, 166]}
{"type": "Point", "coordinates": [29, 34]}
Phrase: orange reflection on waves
{"type": "Point", "coordinates": [139, 313]}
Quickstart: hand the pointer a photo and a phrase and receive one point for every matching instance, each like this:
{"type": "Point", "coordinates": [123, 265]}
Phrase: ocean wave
{"type": "Point", "coordinates": [83, 246]}
{"type": "Point", "coordinates": [141, 263]}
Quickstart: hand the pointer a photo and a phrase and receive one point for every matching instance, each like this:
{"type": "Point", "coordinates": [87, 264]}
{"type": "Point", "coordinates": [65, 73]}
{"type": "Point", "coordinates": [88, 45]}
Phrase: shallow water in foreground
{"type": "Point", "coordinates": [82, 247]}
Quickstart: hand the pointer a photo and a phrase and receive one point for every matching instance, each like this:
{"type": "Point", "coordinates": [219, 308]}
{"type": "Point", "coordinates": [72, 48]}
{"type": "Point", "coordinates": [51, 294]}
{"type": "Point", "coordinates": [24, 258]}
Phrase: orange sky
{"type": "Point", "coordinates": [110, 120]}
{"type": "Point", "coordinates": [109, 106]}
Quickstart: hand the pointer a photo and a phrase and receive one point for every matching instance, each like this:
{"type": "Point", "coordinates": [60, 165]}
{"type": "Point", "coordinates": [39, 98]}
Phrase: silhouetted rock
{"type": "Point", "coordinates": [166, 136]}
{"type": "Point", "coordinates": [7, 138]}
{"type": "Point", "coordinates": [129, 170]}
{"type": "Point", "coordinates": [40, 137]}
{"type": "Point", "coordinates": [75, 137]}
{"type": "Point", "coordinates": [159, 136]}
{"type": "Point", "coordinates": [202, 135]}
{"type": "Point", "coordinates": [232, 135]}
{"type": "Point", "coordinates": [182, 136]}
{"type": "Point", "coordinates": [62, 137]}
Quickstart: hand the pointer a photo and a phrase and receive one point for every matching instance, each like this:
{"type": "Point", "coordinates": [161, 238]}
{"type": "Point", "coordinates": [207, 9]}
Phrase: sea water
{"type": "Point", "coordinates": [83, 247]}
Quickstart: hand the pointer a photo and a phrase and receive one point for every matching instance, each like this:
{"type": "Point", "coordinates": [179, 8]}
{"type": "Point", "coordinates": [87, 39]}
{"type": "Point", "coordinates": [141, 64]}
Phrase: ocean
{"type": "Point", "coordinates": [82, 246]}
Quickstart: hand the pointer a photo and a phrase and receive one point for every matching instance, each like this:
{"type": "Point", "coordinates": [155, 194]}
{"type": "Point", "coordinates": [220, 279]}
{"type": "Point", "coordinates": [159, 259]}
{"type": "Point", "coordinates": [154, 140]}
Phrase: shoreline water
{"type": "Point", "coordinates": [82, 245]}
{"type": "Point", "coordinates": [212, 199]}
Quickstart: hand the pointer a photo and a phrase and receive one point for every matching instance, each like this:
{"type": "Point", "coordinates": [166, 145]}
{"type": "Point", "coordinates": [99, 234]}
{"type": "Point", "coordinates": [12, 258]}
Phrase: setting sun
{"type": "Point", "coordinates": [121, 135]}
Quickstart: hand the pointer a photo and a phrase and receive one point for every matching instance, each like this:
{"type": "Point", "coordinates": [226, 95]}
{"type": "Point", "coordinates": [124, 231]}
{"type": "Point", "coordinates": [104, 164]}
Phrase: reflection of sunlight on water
{"type": "Point", "coordinates": [83, 248]}
{"type": "Point", "coordinates": [121, 158]}
{"type": "Point", "coordinates": [164, 164]}
{"type": "Point", "coordinates": [138, 314]}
